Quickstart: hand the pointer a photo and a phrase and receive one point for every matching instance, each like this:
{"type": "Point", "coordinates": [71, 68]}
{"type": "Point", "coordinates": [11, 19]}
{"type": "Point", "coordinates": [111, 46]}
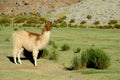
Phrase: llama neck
{"type": "Point", "coordinates": [46, 35]}
{"type": "Point", "coordinates": [44, 39]}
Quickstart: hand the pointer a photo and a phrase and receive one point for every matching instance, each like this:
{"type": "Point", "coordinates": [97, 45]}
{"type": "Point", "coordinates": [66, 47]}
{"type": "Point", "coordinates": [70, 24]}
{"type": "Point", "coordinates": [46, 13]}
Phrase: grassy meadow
{"type": "Point", "coordinates": [83, 38]}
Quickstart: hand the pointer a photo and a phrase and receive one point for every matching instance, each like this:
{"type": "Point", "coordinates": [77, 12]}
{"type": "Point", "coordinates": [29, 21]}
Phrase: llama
{"type": "Point", "coordinates": [30, 41]}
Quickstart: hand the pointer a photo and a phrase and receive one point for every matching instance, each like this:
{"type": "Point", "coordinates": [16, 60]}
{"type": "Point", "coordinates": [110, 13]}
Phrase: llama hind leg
{"type": "Point", "coordinates": [20, 51]}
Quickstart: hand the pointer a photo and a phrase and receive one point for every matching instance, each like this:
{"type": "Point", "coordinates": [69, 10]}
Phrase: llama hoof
{"type": "Point", "coordinates": [35, 65]}
{"type": "Point", "coordinates": [16, 63]}
{"type": "Point", "coordinates": [20, 62]}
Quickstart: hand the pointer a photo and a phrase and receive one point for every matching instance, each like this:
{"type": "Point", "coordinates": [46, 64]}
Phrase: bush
{"type": "Point", "coordinates": [83, 22]}
{"type": "Point", "coordinates": [58, 21]}
{"type": "Point", "coordinates": [113, 22]}
{"type": "Point", "coordinates": [45, 53]}
{"type": "Point", "coordinates": [53, 44]}
{"type": "Point", "coordinates": [96, 23]}
{"type": "Point", "coordinates": [117, 26]}
{"type": "Point", "coordinates": [53, 55]}
{"type": "Point", "coordinates": [20, 19]}
{"type": "Point", "coordinates": [77, 50]}
{"type": "Point", "coordinates": [63, 24]}
{"type": "Point", "coordinates": [72, 21]}
{"type": "Point", "coordinates": [84, 60]}
{"type": "Point", "coordinates": [76, 63]}
{"type": "Point", "coordinates": [95, 58]}
{"type": "Point", "coordinates": [42, 19]}
{"type": "Point", "coordinates": [65, 47]}
{"type": "Point", "coordinates": [63, 18]}
{"type": "Point", "coordinates": [5, 20]}
{"type": "Point", "coordinates": [55, 25]}
{"type": "Point", "coordinates": [105, 27]}
{"type": "Point", "coordinates": [89, 17]}
{"type": "Point", "coordinates": [32, 20]}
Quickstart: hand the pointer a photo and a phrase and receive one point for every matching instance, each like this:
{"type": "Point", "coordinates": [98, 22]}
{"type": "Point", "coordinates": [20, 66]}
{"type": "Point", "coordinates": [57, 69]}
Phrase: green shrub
{"type": "Point", "coordinates": [77, 50]}
{"type": "Point", "coordinates": [89, 17]}
{"type": "Point", "coordinates": [53, 44]}
{"type": "Point", "coordinates": [15, 29]}
{"type": "Point", "coordinates": [113, 22]}
{"type": "Point", "coordinates": [96, 23]}
{"type": "Point", "coordinates": [20, 19]}
{"type": "Point", "coordinates": [117, 26]}
{"type": "Point", "coordinates": [42, 19]}
{"type": "Point", "coordinates": [83, 22]}
{"type": "Point", "coordinates": [72, 26]}
{"type": "Point", "coordinates": [45, 53]}
{"type": "Point", "coordinates": [76, 63]}
{"type": "Point", "coordinates": [7, 39]}
{"type": "Point", "coordinates": [72, 21]}
{"type": "Point", "coordinates": [5, 20]}
{"type": "Point", "coordinates": [33, 19]}
{"type": "Point", "coordinates": [55, 25]}
{"type": "Point", "coordinates": [63, 18]}
{"type": "Point", "coordinates": [84, 59]}
{"type": "Point", "coordinates": [29, 25]}
{"type": "Point", "coordinates": [95, 58]}
{"type": "Point", "coordinates": [58, 21]}
{"type": "Point", "coordinates": [63, 24]}
{"type": "Point", "coordinates": [53, 55]}
{"type": "Point", "coordinates": [105, 27]}
{"type": "Point", "coordinates": [65, 47]}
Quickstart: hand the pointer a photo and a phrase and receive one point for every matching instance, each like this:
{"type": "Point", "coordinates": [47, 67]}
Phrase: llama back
{"type": "Point", "coordinates": [24, 39]}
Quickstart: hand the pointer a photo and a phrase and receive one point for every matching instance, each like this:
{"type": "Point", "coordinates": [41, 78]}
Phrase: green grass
{"type": "Point", "coordinates": [106, 39]}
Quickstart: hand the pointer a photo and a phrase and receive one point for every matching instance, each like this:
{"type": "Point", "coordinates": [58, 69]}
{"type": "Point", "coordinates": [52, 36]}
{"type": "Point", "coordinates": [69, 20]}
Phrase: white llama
{"type": "Point", "coordinates": [32, 42]}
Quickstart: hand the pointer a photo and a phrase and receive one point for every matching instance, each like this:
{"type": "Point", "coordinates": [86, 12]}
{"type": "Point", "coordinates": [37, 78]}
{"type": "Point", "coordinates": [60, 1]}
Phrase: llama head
{"type": "Point", "coordinates": [48, 26]}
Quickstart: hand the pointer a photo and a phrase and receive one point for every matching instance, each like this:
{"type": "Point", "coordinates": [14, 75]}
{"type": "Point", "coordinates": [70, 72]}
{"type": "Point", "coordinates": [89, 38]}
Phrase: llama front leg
{"type": "Point", "coordinates": [15, 55]}
{"type": "Point", "coordinates": [35, 54]}
{"type": "Point", "coordinates": [19, 60]}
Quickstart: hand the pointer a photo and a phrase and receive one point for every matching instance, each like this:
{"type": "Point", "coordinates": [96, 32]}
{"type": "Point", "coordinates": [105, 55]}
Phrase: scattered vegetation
{"type": "Point", "coordinates": [83, 22]}
{"type": "Point", "coordinates": [96, 23]}
{"type": "Point", "coordinates": [53, 44]}
{"type": "Point", "coordinates": [65, 47]}
{"type": "Point", "coordinates": [20, 19]}
{"type": "Point", "coordinates": [89, 17]}
{"type": "Point", "coordinates": [76, 63]}
{"type": "Point", "coordinates": [77, 50]}
{"type": "Point", "coordinates": [72, 21]}
{"type": "Point", "coordinates": [53, 55]}
{"type": "Point", "coordinates": [117, 26]}
{"type": "Point", "coordinates": [32, 19]}
{"type": "Point", "coordinates": [113, 22]}
{"type": "Point", "coordinates": [5, 20]}
{"type": "Point", "coordinates": [35, 20]}
{"type": "Point", "coordinates": [45, 53]}
{"type": "Point", "coordinates": [95, 58]}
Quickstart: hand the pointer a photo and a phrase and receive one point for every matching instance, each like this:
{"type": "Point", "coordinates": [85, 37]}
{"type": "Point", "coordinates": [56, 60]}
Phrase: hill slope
{"type": "Point", "coordinates": [99, 10]}
{"type": "Point", "coordinates": [88, 11]}
{"type": "Point", "coordinates": [24, 6]}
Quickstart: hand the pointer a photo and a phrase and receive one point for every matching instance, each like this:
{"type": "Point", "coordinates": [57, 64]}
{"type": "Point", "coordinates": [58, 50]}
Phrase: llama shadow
{"type": "Point", "coordinates": [27, 56]}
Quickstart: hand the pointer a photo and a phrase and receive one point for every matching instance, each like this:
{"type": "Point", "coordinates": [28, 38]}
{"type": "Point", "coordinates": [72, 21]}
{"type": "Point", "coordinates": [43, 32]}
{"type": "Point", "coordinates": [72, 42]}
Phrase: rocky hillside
{"type": "Point", "coordinates": [91, 11]}
{"type": "Point", "coordinates": [27, 6]}
{"type": "Point", "coordinates": [80, 11]}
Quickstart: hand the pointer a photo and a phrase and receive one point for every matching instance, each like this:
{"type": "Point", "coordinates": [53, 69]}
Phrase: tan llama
{"type": "Point", "coordinates": [32, 42]}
